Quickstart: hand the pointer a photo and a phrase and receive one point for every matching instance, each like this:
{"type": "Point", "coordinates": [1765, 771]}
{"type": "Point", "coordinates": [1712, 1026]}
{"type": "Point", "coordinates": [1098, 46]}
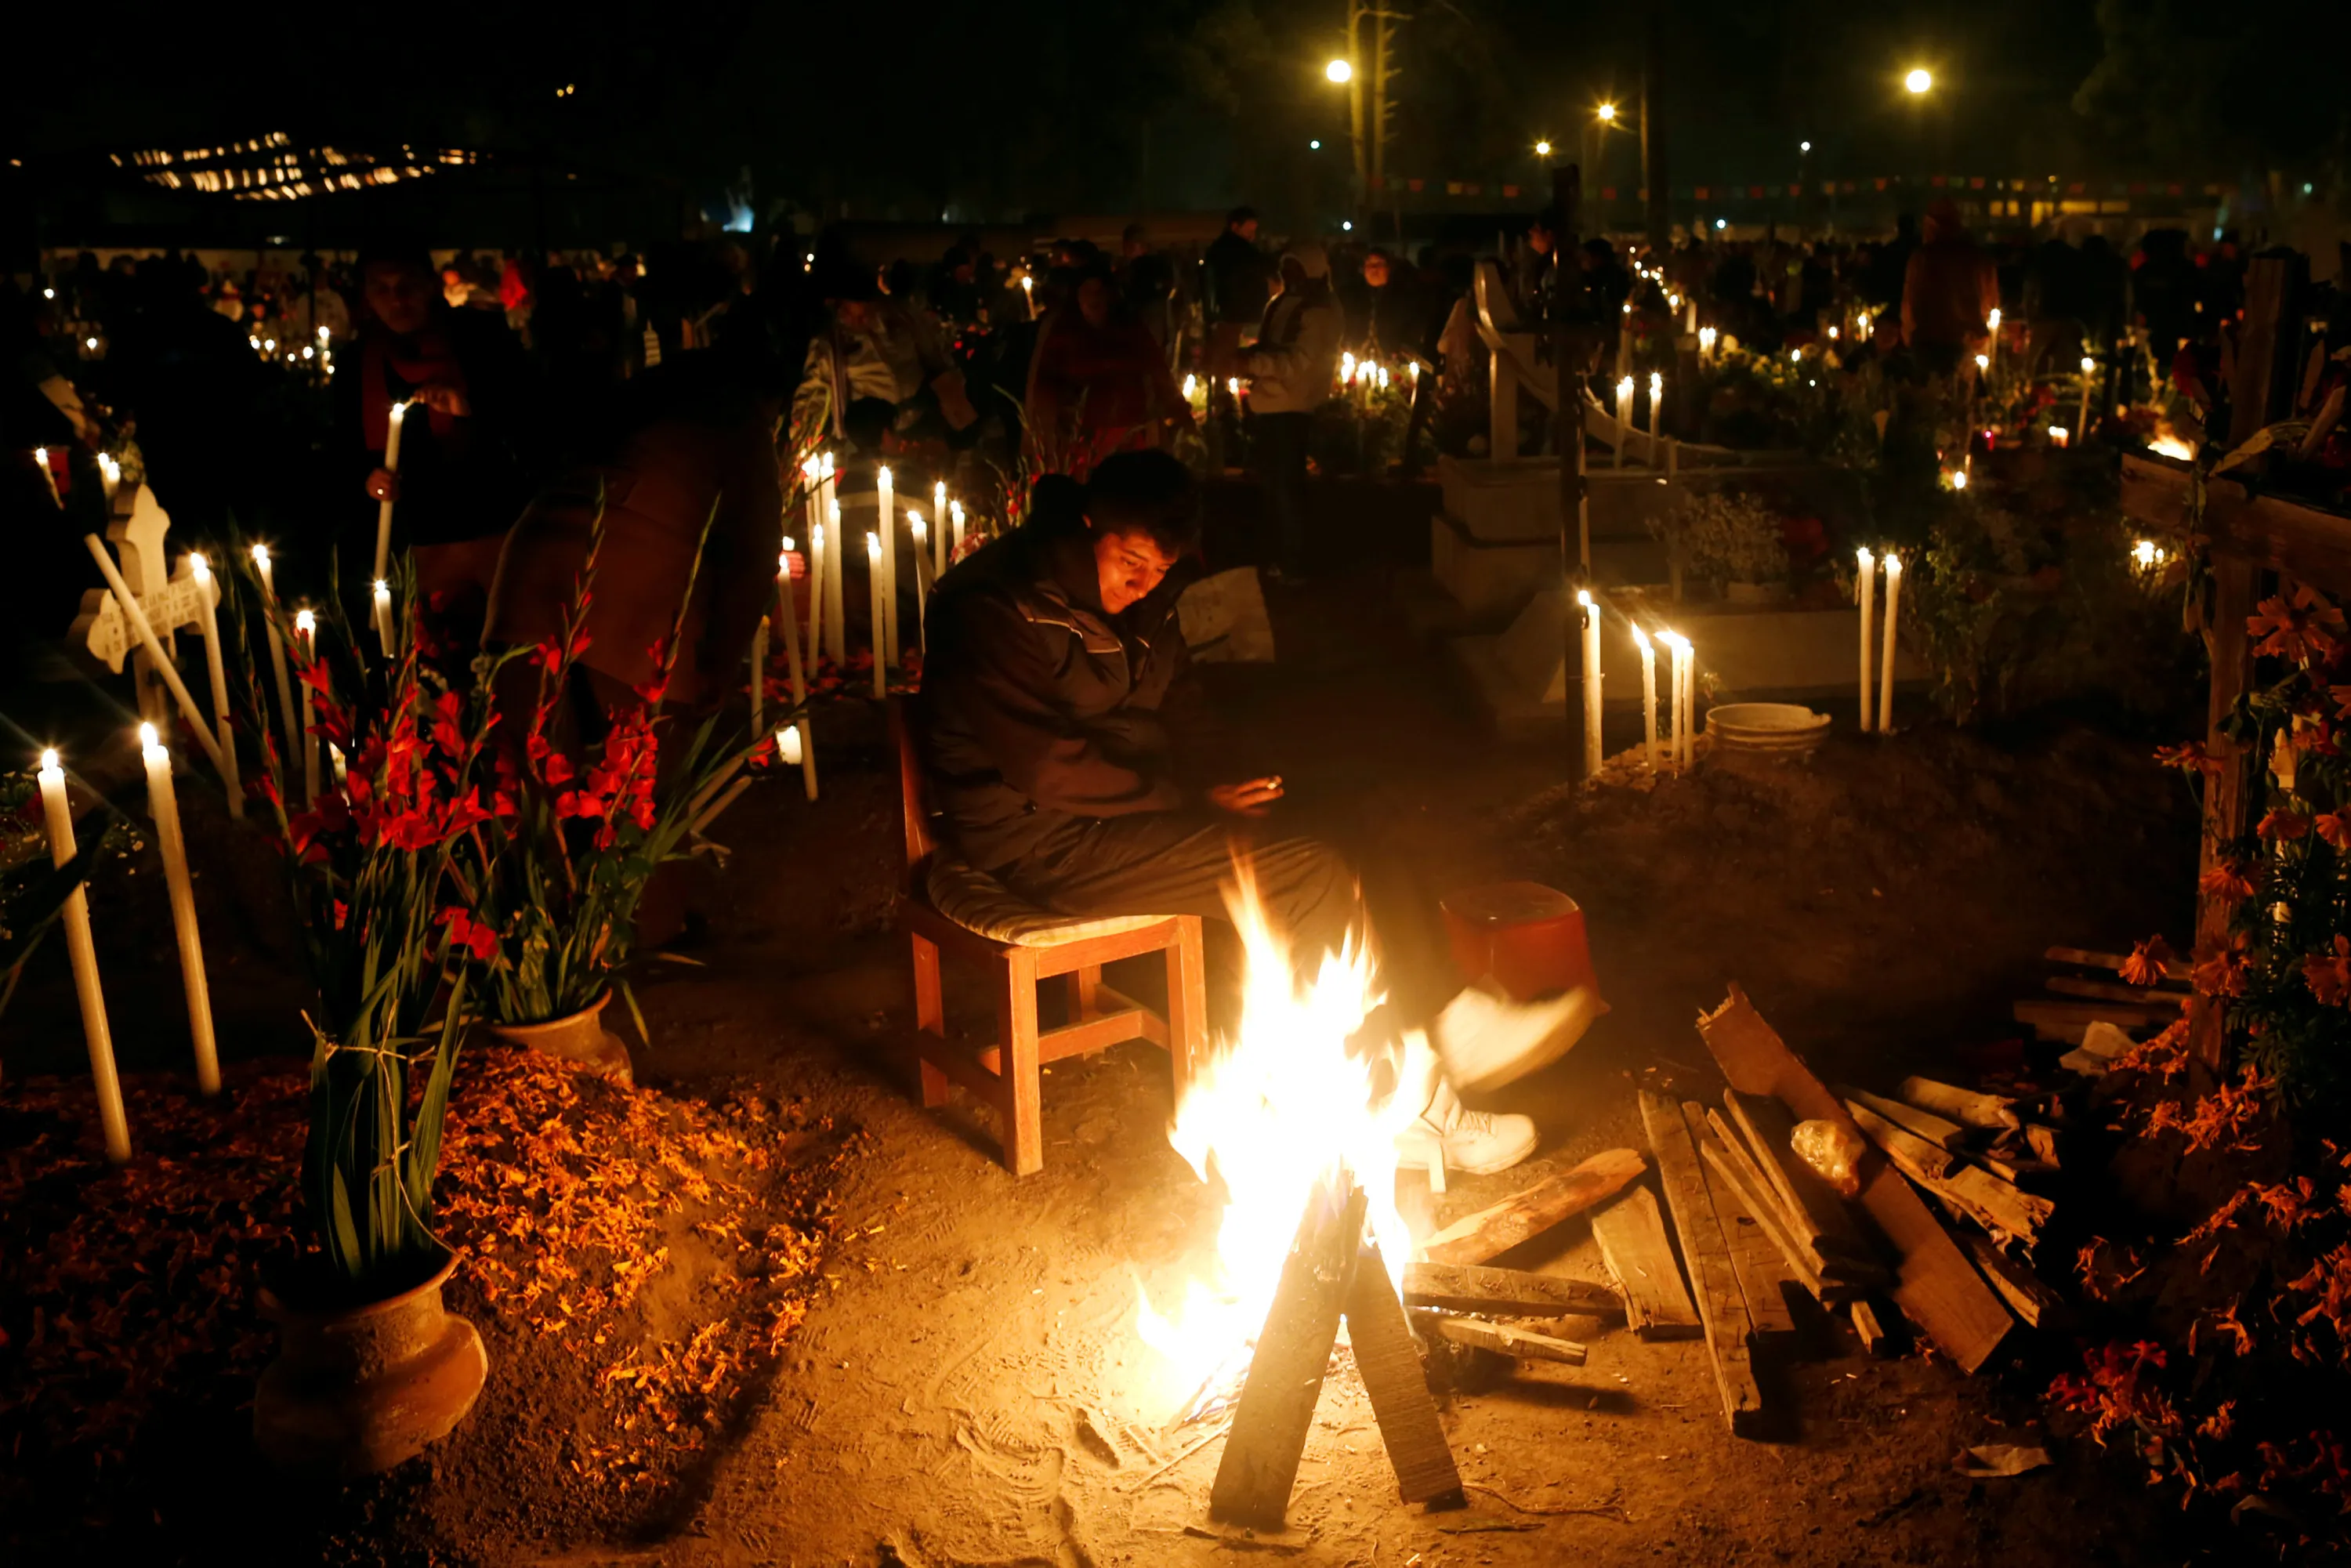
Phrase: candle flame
{"type": "Point", "coordinates": [1624, 387]}
{"type": "Point", "coordinates": [1656, 384]}
{"type": "Point", "coordinates": [50, 759]}
{"type": "Point", "coordinates": [147, 737]}
{"type": "Point", "coordinates": [914, 523]}
{"type": "Point", "coordinates": [198, 566]}
{"type": "Point", "coordinates": [1641, 639]}
{"type": "Point", "coordinates": [1995, 318]}
{"type": "Point", "coordinates": [882, 475]}
{"type": "Point", "coordinates": [261, 555]}
{"type": "Point", "coordinates": [398, 410]}
{"type": "Point", "coordinates": [1893, 564]}
{"type": "Point", "coordinates": [788, 743]}
{"type": "Point", "coordinates": [1867, 560]}
{"type": "Point", "coordinates": [826, 472]}
{"type": "Point", "coordinates": [784, 556]}
{"type": "Point", "coordinates": [305, 623]}
{"type": "Point", "coordinates": [2088, 365]}
{"type": "Point", "coordinates": [381, 586]}
{"type": "Point", "coordinates": [1584, 597]}
{"type": "Point", "coordinates": [873, 546]}
{"type": "Point", "coordinates": [1983, 362]}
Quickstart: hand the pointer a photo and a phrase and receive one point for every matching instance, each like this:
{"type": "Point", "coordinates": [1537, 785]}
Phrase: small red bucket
{"type": "Point", "coordinates": [1529, 939]}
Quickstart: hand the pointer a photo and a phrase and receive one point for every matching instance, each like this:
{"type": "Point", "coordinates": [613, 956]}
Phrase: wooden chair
{"type": "Point", "coordinates": [952, 908]}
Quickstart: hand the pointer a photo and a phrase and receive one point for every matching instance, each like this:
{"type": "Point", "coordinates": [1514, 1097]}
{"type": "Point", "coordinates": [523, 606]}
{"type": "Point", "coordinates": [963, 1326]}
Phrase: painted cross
{"type": "Point", "coordinates": [169, 601]}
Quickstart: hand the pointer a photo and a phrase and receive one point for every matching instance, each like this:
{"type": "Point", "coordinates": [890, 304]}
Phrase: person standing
{"type": "Point", "coordinates": [1099, 383]}
{"type": "Point", "coordinates": [1290, 371]}
{"type": "Point", "coordinates": [1947, 292]}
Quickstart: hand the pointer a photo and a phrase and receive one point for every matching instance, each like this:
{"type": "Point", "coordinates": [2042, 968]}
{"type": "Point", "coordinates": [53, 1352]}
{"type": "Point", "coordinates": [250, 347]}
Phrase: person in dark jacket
{"type": "Point", "coordinates": [1057, 696]}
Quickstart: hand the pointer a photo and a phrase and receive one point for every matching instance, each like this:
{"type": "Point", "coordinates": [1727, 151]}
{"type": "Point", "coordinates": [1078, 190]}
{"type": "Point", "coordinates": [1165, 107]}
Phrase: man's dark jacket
{"type": "Point", "coordinates": [1040, 709]}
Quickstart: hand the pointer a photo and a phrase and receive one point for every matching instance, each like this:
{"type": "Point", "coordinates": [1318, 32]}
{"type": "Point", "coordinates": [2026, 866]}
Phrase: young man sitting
{"type": "Point", "coordinates": [1056, 692]}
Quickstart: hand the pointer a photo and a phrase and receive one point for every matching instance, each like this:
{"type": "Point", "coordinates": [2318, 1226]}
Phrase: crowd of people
{"type": "Point", "coordinates": [261, 395]}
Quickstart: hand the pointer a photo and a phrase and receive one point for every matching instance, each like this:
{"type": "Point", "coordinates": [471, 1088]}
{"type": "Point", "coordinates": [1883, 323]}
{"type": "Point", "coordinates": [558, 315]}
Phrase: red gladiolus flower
{"type": "Point", "coordinates": [465, 932]}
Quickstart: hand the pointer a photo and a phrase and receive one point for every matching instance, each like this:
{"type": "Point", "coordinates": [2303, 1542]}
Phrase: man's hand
{"type": "Point", "coordinates": [443, 399]}
{"type": "Point", "coordinates": [383, 484]}
{"type": "Point", "coordinates": [1249, 798]}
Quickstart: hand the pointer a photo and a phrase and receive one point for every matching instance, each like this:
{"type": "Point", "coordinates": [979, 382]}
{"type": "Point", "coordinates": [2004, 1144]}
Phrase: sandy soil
{"type": "Point", "coordinates": [968, 1388]}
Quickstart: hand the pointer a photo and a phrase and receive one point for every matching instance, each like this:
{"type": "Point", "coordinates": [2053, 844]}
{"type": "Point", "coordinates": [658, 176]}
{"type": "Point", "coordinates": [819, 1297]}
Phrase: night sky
{"type": "Point", "coordinates": [997, 107]}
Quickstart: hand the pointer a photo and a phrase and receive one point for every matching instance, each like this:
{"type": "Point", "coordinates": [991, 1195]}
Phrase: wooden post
{"type": "Point", "coordinates": [1285, 1377]}
{"type": "Point", "coordinates": [2259, 391]}
{"type": "Point", "coordinates": [1631, 1235]}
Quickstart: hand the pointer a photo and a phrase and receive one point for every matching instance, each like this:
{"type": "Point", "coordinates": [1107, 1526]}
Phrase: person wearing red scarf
{"type": "Point", "coordinates": [465, 456]}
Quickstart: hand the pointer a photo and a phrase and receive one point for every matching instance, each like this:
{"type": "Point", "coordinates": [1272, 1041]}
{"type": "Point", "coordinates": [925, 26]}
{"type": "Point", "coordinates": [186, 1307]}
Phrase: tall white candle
{"type": "Point", "coordinates": [759, 675]}
{"type": "Point", "coordinates": [384, 507]}
{"type": "Point", "coordinates": [787, 745]}
{"type": "Point", "coordinates": [954, 511]}
{"type": "Point", "coordinates": [1624, 420]}
{"type": "Point", "coordinates": [208, 593]}
{"type": "Point", "coordinates": [1648, 696]}
{"type": "Point", "coordinates": [881, 625]}
{"type": "Point", "coordinates": [305, 633]}
{"type": "Point", "coordinates": [144, 629]}
{"type": "Point", "coordinates": [1886, 665]}
{"type": "Point", "coordinates": [1679, 750]}
{"type": "Point", "coordinates": [276, 648]}
{"type": "Point", "coordinates": [58, 815]}
{"type": "Point", "coordinates": [1992, 351]}
{"type": "Point", "coordinates": [2082, 421]}
{"type": "Point", "coordinates": [836, 575]}
{"type": "Point", "coordinates": [1657, 413]}
{"type": "Point", "coordinates": [383, 615]}
{"type": "Point", "coordinates": [163, 804]}
{"type": "Point", "coordinates": [886, 526]}
{"type": "Point", "coordinates": [915, 529]}
{"type": "Point", "coordinates": [48, 475]}
{"type": "Point", "coordinates": [1593, 752]}
{"type": "Point", "coordinates": [817, 570]}
{"type": "Point", "coordinates": [939, 519]}
{"type": "Point", "coordinates": [807, 759]}
{"type": "Point", "coordinates": [1866, 580]}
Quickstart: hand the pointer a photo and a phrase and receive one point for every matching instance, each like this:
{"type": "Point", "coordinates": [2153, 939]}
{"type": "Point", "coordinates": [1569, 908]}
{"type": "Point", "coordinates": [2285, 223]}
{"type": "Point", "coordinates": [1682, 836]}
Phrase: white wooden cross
{"type": "Point", "coordinates": [165, 602]}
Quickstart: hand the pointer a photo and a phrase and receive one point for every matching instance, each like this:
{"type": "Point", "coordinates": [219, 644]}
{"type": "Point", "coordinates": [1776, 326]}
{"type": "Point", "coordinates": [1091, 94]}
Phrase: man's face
{"type": "Point", "coordinates": [1247, 229]}
{"type": "Point", "coordinates": [400, 295]}
{"type": "Point", "coordinates": [1539, 240]}
{"type": "Point", "coordinates": [856, 315]}
{"type": "Point", "coordinates": [1376, 271]}
{"type": "Point", "coordinates": [1128, 564]}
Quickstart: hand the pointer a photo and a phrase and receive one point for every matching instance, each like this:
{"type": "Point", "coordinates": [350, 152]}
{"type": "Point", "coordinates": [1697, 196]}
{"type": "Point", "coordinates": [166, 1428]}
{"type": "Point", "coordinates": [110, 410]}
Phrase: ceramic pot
{"type": "Point", "coordinates": [582, 1037]}
{"type": "Point", "coordinates": [356, 1390]}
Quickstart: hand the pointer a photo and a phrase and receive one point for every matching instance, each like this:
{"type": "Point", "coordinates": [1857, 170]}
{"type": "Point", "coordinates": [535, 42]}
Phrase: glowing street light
{"type": "Point", "coordinates": [1339, 71]}
{"type": "Point", "coordinates": [1543, 149]}
{"type": "Point", "coordinates": [1920, 80]}
{"type": "Point", "coordinates": [1606, 113]}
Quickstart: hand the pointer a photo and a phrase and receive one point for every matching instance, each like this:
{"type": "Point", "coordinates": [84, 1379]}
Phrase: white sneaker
{"type": "Point", "coordinates": [1486, 1041]}
{"type": "Point", "coordinates": [1475, 1143]}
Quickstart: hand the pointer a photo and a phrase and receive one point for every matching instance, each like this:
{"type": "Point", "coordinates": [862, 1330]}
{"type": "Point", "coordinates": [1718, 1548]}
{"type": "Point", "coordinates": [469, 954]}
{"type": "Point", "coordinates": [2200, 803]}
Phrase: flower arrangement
{"type": "Point", "coordinates": [1724, 536]}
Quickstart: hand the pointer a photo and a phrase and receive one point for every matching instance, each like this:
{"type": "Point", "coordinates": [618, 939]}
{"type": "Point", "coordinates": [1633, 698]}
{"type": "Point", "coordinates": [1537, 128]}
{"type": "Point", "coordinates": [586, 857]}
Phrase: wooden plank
{"type": "Point", "coordinates": [1935, 1285]}
{"type": "Point", "coordinates": [2077, 1016]}
{"type": "Point", "coordinates": [2110, 992]}
{"type": "Point", "coordinates": [1967, 1107]}
{"type": "Point", "coordinates": [1518, 1344]}
{"type": "Point", "coordinates": [1875, 1340]}
{"type": "Point", "coordinates": [1506, 1292]}
{"type": "Point", "coordinates": [1631, 1236]}
{"type": "Point", "coordinates": [2252, 531]}
{"type": "Point", "coordinates": [1390, 1365]}
{"type": "Point", "coordinates": [2027, 1294]}
{"type": "Point", "coordinates": [1721, 1167]}
{"type": "Point", "coordinates": [1756, 1258]}
{"type": "Point", "coordinates": [1285, 1377]}
{"type": "Point", "coordinates": [1722, 1306]}
{"type": "Point", "coordinates": [1770, 1132]}
{"type": "Point", "coordinates": [1970, 1190]}
{"type": "Point", "coordinates": [1940, 1131]}
{"type": "Point", "coordinates": [1520, 1218]}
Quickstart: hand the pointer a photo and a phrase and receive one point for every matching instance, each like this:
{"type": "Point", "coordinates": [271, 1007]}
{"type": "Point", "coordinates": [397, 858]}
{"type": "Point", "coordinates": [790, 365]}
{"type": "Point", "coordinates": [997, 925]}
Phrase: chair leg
{"type": "Point", "coordinates": [930, 1016]}
{"type": "Point", "coordinates": [1187, 1004]}
{"type": "Point", "coordinates": [1084, 984]}
{"type": "Point", "coordinates": [1015, 1012]}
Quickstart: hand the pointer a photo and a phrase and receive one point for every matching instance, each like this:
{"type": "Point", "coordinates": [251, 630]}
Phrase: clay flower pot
{"type": "Point", "coordinates": [356, 1390]}
{"type": "Point", "coordinates": [580, 1037]}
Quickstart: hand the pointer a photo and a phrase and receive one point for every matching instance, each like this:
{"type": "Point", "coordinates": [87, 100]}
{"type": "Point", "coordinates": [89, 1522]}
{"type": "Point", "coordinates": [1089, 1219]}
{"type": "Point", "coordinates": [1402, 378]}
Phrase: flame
{"type": "Point", "coordinates": [1277, 1110]}
{"type": "Point", "coordinates": [2170, 446]}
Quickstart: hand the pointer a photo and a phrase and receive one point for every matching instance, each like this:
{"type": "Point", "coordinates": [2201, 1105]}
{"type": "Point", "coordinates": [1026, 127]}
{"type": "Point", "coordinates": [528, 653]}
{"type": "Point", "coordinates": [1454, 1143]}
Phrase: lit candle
{"type": "Point", "coordinates": [1028, 295]}
{"type": "Point", "coordinates": [383, 615]}
{"type": "Point", "coordinates": [41, 461]}
{"type": "Point", "coordinates": [110, 476]}
{"type": "Point", "coordinates": [1992, 349]}
{"type": "Point", "coordinates": [915, 529]}
{"type": "Point", "coordinates": [1624, 418]}
{"type": "Point", "coordinates": [954, 514]}
{"type": "Point", "coordinates": [2060, 437]}
{"type": "Point", "coordinates": [1705, 336]}
{"type": "Point", "coordinates": [163, 804]}
{"type": "Point", "coordinates": [276, 645]}
{"type": "Point", "coordinates": [1657, 408]}
{"type": "Point", "coordinates": [208, 624]}
{"type": "Point", "coordinates": [939, 516]}
{"type": "Point", "coordinates": [1686, 699]}
{"type": "Point", "coordinates": [1592, 754]}
{"type": "Point", "coordinates": [837, 570]}
{"type": "Point", "coordinates": [306, 631]}
{"type": "Point", "coordinates": [873, 577]}
{"type": "Point", "coordinates": [759, 675]}
{"type": "Point", "coordinates": [1648, 696]}
{"type": "Point", "coordinates": [384, 507]}
{"type": "Point", "coordinates": [160, 662]}
{"type": "Point", "coordinates": [886, 641]}
{"type": "Point", "coordinates": [798, 669]}
{"type": "Point", "coordinates": [2089, 372]}
{"type": "Point", "coordinates": [1866, 587]}
{"type": "Point", "coordinates": [75, 917]}
{"type": "Point", "coordinates": [788, 745]}
{"type": "Point", "coordinates": [816, 591]}
{"type": "Point", "coordinates": [1886, 664]}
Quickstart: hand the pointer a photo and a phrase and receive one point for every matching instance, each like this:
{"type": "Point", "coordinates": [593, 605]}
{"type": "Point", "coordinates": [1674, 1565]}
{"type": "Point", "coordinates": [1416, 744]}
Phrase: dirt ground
{"type": "Point", "coordinates": [966, 1387]}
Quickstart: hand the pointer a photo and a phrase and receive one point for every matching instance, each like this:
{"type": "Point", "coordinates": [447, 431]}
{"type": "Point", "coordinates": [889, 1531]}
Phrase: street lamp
{"type": "Point", "coordinates": [1920, 80]}
{"type": "Point", "coordinates": [1543, 149]}
{"type": "Point", "coordinates": [1606, 113]}
{"type": "Point", "coordinates": [1340, 72]}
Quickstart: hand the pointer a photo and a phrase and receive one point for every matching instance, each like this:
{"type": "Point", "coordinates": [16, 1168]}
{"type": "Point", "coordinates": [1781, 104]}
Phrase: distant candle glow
{"type": "Point", "coordinates": [146, 739]}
